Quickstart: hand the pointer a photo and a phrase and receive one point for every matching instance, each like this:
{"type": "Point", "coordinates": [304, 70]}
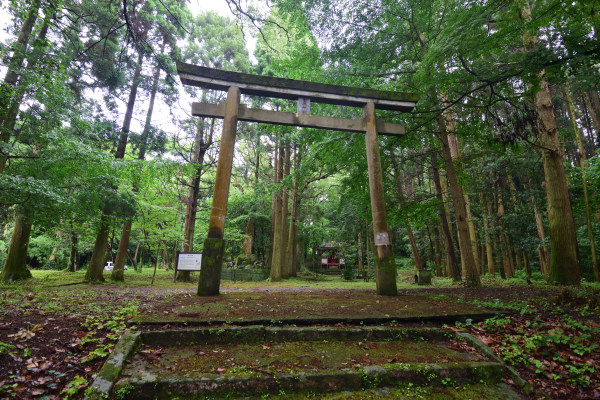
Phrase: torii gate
{"type": "Point", "coordinates": [231, 111]}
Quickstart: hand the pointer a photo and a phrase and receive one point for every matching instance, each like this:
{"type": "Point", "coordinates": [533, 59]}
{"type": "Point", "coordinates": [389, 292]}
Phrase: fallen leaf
{"type": "Point", "coordinates": [23, 334]}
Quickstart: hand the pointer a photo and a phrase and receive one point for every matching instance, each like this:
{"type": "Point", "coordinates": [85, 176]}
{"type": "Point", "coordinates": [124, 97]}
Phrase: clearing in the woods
{"type": "Point", "coordinates": [319, 338]}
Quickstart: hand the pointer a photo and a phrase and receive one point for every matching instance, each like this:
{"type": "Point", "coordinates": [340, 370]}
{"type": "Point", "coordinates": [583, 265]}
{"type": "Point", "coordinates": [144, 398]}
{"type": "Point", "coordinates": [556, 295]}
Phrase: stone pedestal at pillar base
{"type": "Point", "coordinates": [212, 261]}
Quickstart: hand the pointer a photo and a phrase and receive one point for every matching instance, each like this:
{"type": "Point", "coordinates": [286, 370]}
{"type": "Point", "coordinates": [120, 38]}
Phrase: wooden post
{"type": "Point", "coordinates": [385, 264]}
{"type": "Point", "coordinates": [214, 245]}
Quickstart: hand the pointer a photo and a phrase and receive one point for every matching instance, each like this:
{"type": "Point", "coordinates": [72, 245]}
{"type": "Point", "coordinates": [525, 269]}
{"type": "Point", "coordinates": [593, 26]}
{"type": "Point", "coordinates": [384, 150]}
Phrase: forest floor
{"type": "Point", "coordinates": [55, 331]}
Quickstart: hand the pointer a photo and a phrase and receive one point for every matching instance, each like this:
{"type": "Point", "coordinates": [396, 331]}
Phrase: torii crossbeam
{"type": "Point", "coordinates": [231, 111]}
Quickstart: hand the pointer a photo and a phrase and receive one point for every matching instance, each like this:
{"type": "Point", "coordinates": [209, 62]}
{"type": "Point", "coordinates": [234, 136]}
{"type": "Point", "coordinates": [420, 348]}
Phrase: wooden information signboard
{"type": "Point", "coordinates": [188, 262]}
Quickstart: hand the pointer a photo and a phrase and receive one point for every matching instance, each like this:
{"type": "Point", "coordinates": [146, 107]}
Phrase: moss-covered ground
{"type": "Point", "coordinates": [56, 330]}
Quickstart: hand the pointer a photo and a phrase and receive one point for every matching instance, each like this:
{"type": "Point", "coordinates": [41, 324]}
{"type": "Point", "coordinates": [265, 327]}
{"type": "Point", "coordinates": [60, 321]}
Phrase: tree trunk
{"type": "Point", "coordinates": [8, 97]}
{"type": "Point", "coordinates": [94, 271]}
{"type": "Point", "coordinates": [276, 267]}
{"type": "Point", "coordinates": [466, 251]}
{"type": "Point", "coordinates": [564, 264]}
{"type": "Point", "coordinates": [15, 266]}
{"type": "Point", "coordinates": [74, 253]}
{"type": "Point", "coordinates": [119, 265]}
{"type": "Point", "coordinates": [273, 202]}
{"type": "Point", "coordinates": [248, 237]}
{"type": "Point", "coordinates": [593, 110]}
{"type": "Point", "coordinates": [437, 248]}
{"type": "Point", "coordinates": [399, 188]}
{"type": "Point", "coordinates": [491, 268]}
{"type": "Point", "coordinates": [582, 166]}
{"type": "Point", "coordinates": [200, 148]}
{"type": "Point", "coordinates": [97, 266]}
{"type": "Point", "coordinates": [452, 269]}
{"type": "Point", "coordinates": [292, 239]}
{"type": "Point", "coordinates": [118, 271]}
{"type": "Point", "coordinates": [527, 265]}
{"type": "Point", "coordinates": [506, 251]}
{"type": "Point", "coordinates": [361, 266]}
{"type": "Point", "coordinates": [285, 266]}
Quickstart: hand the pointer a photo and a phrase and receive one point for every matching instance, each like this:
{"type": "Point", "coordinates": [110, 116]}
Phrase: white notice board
{"type": "Point", "coordinates": [189, 261]}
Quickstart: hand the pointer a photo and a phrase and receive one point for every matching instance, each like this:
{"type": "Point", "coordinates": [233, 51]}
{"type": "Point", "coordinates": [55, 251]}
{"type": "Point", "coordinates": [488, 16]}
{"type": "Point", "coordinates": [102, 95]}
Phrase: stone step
{"type": "Point", "coordinates": [258, 360]}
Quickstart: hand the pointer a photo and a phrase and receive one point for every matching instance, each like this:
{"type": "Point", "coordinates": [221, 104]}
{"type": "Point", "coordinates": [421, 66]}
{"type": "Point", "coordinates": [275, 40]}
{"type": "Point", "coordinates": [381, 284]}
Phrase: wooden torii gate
{"type": "Point", "coordinates": [231, 111]}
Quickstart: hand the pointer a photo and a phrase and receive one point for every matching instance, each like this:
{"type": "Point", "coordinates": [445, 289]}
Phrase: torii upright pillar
{"type": "Point", "coordinates": [385, 264]}
{"type": "Point", "coordinates": [214, 245]}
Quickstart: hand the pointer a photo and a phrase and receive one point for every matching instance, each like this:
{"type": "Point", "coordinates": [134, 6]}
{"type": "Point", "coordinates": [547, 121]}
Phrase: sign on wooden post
{"type": "Point", "coordinates": [188, 261]}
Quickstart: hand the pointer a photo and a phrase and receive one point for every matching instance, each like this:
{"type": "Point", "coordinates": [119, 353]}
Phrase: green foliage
{"type": "Point", "coordinates": [73, 387]}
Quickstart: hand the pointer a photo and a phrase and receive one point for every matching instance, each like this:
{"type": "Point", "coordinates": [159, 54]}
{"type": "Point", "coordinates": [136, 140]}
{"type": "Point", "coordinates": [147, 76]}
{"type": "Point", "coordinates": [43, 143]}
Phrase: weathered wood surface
{"type": "Point", "coordinates": [385, 264]}
{"type": "Point", "coordinates": [293, 119]}
{"type": "Point", "coordinates": [283, 88]}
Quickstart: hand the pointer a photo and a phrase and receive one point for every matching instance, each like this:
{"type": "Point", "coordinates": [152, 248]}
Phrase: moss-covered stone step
{"type": "Point", "coordinates": [196, 363]}
{"type": "Point", "coordinates": [169, 386]}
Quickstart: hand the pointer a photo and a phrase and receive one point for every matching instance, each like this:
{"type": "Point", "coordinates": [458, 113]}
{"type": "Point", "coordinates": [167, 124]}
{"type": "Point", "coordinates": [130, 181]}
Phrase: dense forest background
{"type": "Point", "coordinates": [497, 173]}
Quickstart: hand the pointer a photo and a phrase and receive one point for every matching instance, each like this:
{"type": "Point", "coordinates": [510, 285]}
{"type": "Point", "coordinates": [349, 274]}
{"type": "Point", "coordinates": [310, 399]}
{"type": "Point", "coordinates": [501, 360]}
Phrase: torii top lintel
{"type": "Point", "coordinates": [267, 86]}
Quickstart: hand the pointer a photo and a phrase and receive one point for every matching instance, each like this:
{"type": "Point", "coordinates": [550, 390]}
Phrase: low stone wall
{"type": "Point", "coordinates": [236, 274]}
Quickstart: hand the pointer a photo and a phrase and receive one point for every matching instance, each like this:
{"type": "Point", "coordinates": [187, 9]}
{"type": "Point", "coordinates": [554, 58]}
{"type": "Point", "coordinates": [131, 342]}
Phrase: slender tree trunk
{"type": "Point", "coordinates": [593, 111]}
{"type": "Point", "coordinates": [274, 202]}
{"type": "Point", "coordinates": [285, 266]}
{"type": "Point", "coordinates": [15, 266]}
{"type": "Point", "coordinates": [119, 266]}
{"type": "Point", "coordinates": [564, 263]}
{"type": "Point", "coordinates": [198, 153]}
{"type": "Point", "coordinates": [455, 153]}
{"type": "Point", "coordinates": [132, 261]}
{"type": "Point", "coordinates": [361, 266]}
{"type": "Point", "coordinates": [399, 188]}
{"type": "Point", "coordinates": [506, 252]}
{"type": "Point", "coordinates": [292, 239]}
{"type": "Point", "coordinates": [451, 265]}
{"type": "Point", "coordinates": [491, 268]}
{"type": "Point", "coordinates": [117, 273]}
{"type": "Point", "coordinates": [156, 263]}
{"type": "Point", "coordinates": [582, 165]}
{"type": "Point", "coordinates": [437, 249]}
{"type": "Point", "coordinates": [276, 267]}
{"type": "Point", "coordinates": [95, 269]}
{"type": "Point", "coordinates": [74, 253]}
{"type": "Point", "coordinates": [466, 251]}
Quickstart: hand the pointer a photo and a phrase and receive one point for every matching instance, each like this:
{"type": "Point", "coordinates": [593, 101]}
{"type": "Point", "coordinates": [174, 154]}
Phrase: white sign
{"type": "Point", "coordinates": [189, 262]}
{"type": "Point", "coordinates": [303, 105]}
{"type": "Point", "coordinates": [382, 239]}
